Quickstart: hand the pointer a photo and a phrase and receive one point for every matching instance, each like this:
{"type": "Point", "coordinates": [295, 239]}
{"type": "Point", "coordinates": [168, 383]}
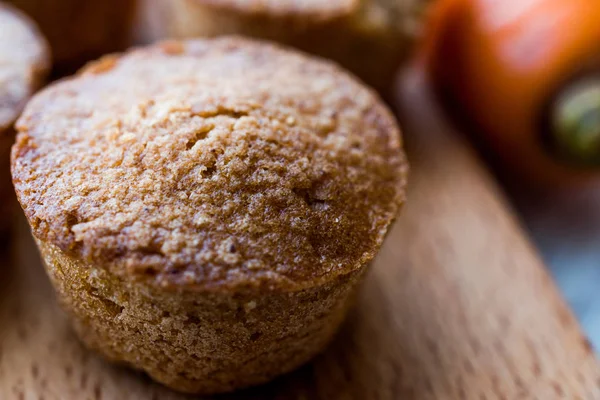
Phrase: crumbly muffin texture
{"type": "Point", "coordinates": [211, 164]}
{"type": "Point", "coordinates": [24, 61]}
{"type": "Point", "coordinates": [207, 209]}
{"type": "Point", "coordinates": [216, 342]}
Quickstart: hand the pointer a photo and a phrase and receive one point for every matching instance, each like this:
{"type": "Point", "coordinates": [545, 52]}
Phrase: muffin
{"type": "Point", "coordinates": [24, 61]}
{"type": "Point", "coordinates": [370, 38]}
{"type": "Point", "coordinates": [79, 31]}
{"type": "Point", "coordinates": [206, 209]}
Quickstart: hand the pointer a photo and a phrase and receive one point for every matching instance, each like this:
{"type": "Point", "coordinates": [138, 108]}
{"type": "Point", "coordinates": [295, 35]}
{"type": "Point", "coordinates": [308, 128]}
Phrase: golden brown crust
{"type": "Point", "coordinates": [24, 62]}
{"type": "Point", "coordinates": [212, 164]}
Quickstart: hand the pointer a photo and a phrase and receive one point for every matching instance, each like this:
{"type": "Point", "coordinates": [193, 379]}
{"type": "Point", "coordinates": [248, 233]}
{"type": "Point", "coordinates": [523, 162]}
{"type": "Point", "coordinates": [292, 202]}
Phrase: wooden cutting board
{"type": "Point", "coordinates": [457, 306]}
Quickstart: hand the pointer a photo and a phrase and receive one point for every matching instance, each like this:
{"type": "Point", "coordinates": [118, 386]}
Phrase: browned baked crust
{"type": "Point", "coordinates": [255, 181]}
{"type": "Point", "coordinates": [211, 165]}
{"type": "Point", "coordinates": [24, 62]}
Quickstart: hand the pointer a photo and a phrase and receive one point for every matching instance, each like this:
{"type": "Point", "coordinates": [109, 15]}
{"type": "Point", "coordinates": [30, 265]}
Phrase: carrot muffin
{"type": "Point", "coordinates": [370, 38]}
{"type": "Point", "coordinates": [81, 30]}
{"type": "Point", "coordinates": [24, 61]}
{"type": "Point", "coordinates": [207, 208]}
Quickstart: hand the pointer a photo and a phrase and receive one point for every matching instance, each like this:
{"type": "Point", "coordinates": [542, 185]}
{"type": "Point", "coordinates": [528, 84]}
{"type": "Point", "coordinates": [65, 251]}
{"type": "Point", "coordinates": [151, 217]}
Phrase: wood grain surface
{"type": "Point", "coordinates": [457, 306]}
{"type": "Point", "coordinates": [565, 225]}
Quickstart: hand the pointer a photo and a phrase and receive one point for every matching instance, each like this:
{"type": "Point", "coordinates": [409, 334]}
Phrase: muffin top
{"type": "Point", "coordinates": [385, 16]}
{"type": "Point", "coordinates": [24, 61]}
{"type": "Point", "coordinates": [211, 164]}
{"type": "Point", "coordinates": [368, 15]}
{"type": "Point", "coordinates": [306, 9]}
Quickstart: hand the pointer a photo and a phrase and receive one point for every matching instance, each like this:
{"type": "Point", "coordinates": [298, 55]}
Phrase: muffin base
{"type": "Point", "coordinates": [198, 342]}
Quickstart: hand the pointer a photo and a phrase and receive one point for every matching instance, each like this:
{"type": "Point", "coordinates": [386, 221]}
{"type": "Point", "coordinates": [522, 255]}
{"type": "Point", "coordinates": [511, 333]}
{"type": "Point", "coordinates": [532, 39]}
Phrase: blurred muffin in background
{"type": "Point", "coordinates": [80, 30]}
{"type": "Point", "coordinates": [24, 62]}
{"type": "Point", "coordinates": [369, 37]}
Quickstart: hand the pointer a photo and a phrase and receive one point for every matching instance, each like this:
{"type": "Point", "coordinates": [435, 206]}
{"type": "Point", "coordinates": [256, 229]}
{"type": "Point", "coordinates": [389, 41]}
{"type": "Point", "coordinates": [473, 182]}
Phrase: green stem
{"type": "Point", "coordinates": [575, 124]}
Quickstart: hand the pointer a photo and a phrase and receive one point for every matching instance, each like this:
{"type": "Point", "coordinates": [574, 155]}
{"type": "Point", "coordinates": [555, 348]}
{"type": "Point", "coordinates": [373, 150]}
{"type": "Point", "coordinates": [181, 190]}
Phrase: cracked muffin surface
{"type": "Point", "coordinates": [211, 164]}
{"type": "Point", "coordinates": [207, 209]}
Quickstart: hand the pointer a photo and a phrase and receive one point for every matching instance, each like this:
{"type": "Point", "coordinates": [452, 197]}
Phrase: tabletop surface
{"type": "Point", "coordinates": [565, 226]}
{"type": "Point", "coordinates": [458, 305]}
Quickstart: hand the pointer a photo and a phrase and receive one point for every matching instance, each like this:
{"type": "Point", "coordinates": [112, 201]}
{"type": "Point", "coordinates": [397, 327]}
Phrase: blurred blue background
{"type": "Point", "coordinates": [566, 229]}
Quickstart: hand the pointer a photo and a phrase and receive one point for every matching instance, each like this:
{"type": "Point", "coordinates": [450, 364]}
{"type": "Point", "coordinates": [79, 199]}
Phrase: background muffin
{"type": "Point", "coordinates": [206, 209]}
{"type": "Point", "coordinates": [81, 30]}
{"type": "Point", "coordinates": [24, 62]}
{"type": "Point", "coordinates": [370, 38]}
